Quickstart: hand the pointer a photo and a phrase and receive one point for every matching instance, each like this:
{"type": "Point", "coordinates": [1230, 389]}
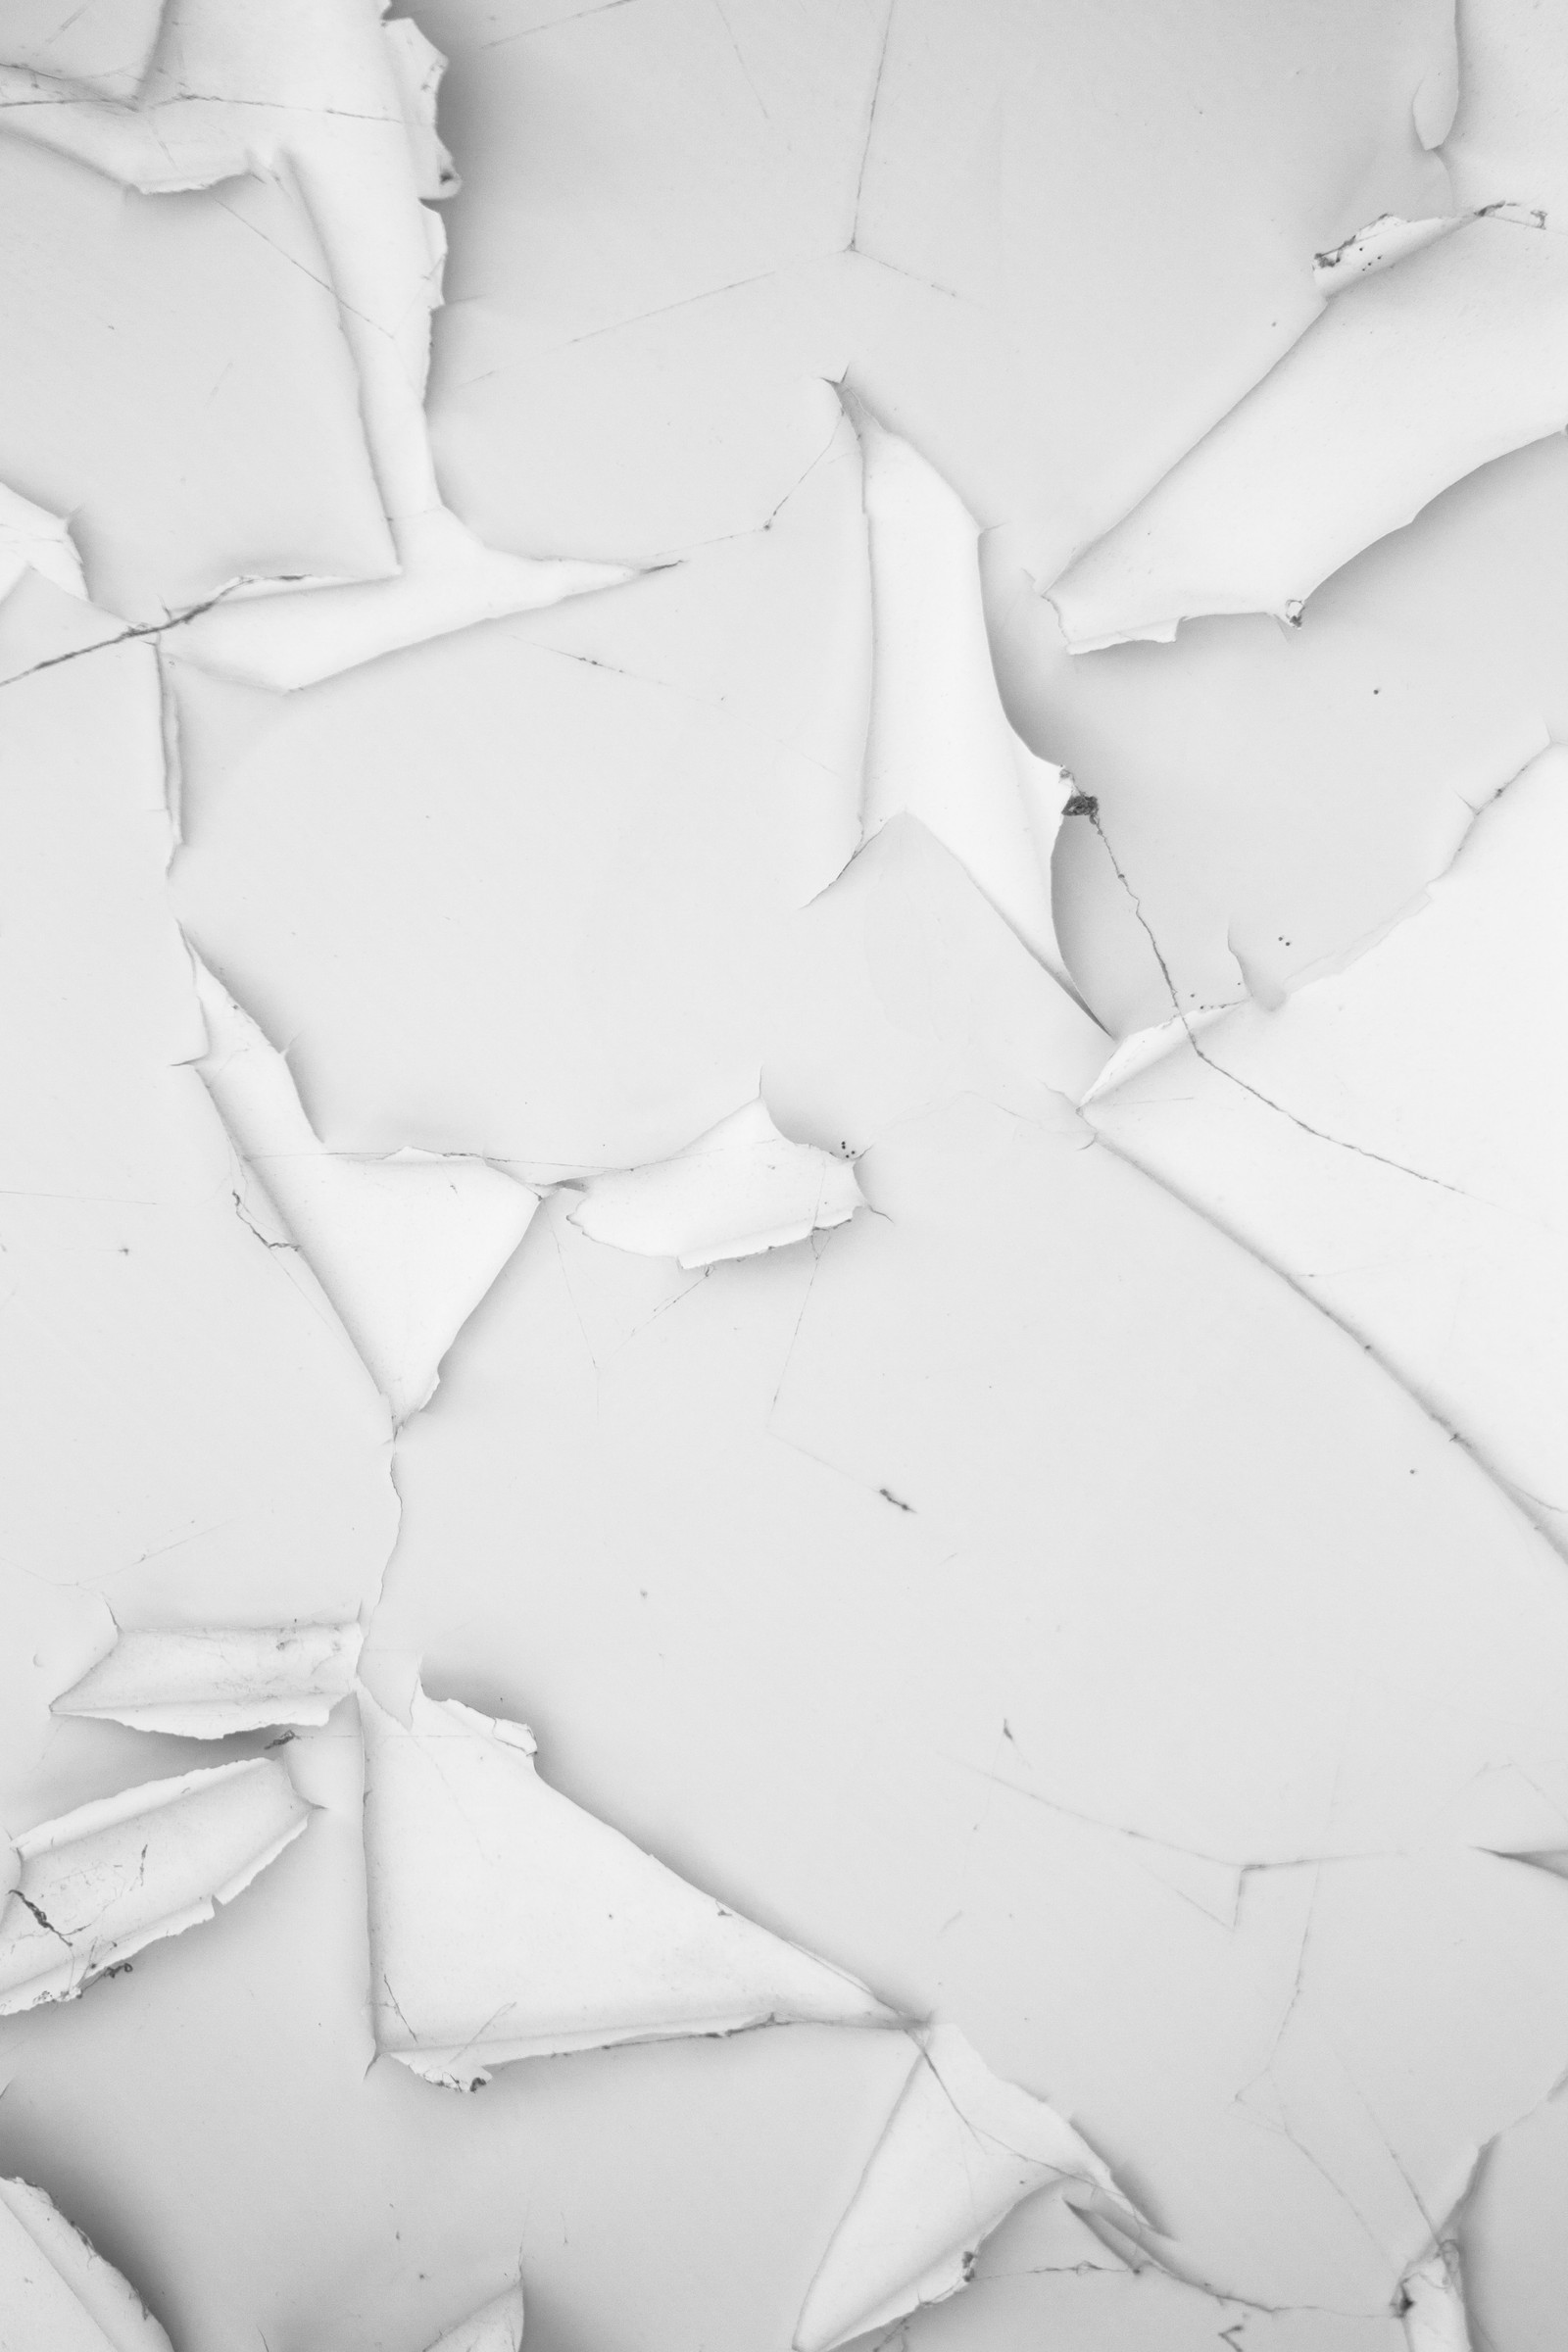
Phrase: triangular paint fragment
{"type": "Point", "coordinates": [960, 2151]}
{"type": "Point", "coordinates": [507, 1923]}
{"type": "Point", "coordinates": [404, 1248]}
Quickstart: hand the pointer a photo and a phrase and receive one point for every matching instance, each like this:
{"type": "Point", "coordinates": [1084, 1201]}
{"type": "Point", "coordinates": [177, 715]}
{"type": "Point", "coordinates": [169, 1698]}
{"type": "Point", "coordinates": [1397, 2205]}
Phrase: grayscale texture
{"type": "Point", "coordinates": [782, 1263]}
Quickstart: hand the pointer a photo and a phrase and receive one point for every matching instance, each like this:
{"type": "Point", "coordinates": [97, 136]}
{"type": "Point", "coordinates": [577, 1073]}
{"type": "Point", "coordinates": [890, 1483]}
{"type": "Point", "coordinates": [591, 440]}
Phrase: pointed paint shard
{"type": "Point", "coordinates": [1413, 375]}
{"type": "Point", "coordinates": [940, 745]}
{"type": "Point", "coordinates": [1393, 1139]}
{"type": "Point", "coordinates": [959, 2152]}
{"type": "Point", "coordinates": [208, 1682]}
{"type": "Point", "coordinates": [103, 1882]}
{"type": "Point", "coordinates": [56, 2292]}
{"type": "Point", "coordinates": [739, 1188]}
{"type": "Point", "coordinates": [1432, 2297]}
{"type": "Point", "coordinates": [497, 2327]}
{"type": "Point", "coordinates": [33, 539]}
{"type": "Point", "coordinates": [507, 1923]}
{"type": "Point", "coordinates": [404, 1248]}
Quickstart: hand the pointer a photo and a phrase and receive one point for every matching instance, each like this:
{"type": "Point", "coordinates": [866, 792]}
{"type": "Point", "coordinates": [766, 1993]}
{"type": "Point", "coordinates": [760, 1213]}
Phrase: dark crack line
{"type": "Point", "coordinates": [1512, 1492]}
{"type": "Point", "coordinates": [128, 636]}
{"type": "Point", "coordinates": [870, 128]}
{"type": "Point", "coordinates": [1084, 804]}
{"type": "Point", "coordinates": [45, 1922]}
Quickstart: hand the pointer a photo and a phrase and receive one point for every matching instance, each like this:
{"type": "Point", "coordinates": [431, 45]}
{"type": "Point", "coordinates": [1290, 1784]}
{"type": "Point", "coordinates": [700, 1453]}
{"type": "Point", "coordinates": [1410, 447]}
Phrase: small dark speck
{"type": "Point", "coordinates": [897, 1500]}
{"type": "Point", "coordinates": [1082, 804]}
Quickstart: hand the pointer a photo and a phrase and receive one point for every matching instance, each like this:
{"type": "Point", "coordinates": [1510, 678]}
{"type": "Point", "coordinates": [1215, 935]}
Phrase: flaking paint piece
{"type": "Point", "coordinates": [497, 2327]}
{"type": "Point", "coordinates": [404, 1247]}
{"type": "Point", "coordinates": [1381, 243]}
{"type": "Point", "coordinates": [959, 2150]}
{"type": "Point", "coordinates": [210, 1682]}
{"type": "Point", "coordinates": [741, 1188]}
{"type": "Point", "coordinates": [31, 539]}
{"type": "Point", "coordinates": [101, 1883]}
{"type": "Point", "coordinates": [1393, 1139]}
{"type": "Point", "coordinates": [939, 744]}
{"type": "Point", "coordinates": [1412, 376]}
{"type": "Point", "coordinates": [56, 2292]}
{"type": "Point", "coordinates": [506, 1922]}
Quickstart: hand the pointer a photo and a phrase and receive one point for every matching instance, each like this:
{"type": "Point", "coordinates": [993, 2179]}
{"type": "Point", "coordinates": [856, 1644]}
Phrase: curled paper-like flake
{"type": "Point", "coordinates": [739, 1188]}
{"type": "Point", "coordinates": [56, 2292]}
{"type": "Point", "coordinates": [507, 1923]}
{"type": "Point", "coordinates": [1413, 376]}
{"type": "Point", "coordinates": [940, 745]}
{"type": "Point", "coordinates": [1433, 2299]}
{"type": "Point", "coordinates": [206, 1684]}
{"type": "Point", "coordinates": [100, 1884]}
{"type": "Point", "coordinates": [496, 2328]}
{"type": "Point", "coordinates": [404, 1248]}
{"type": "Point", "coordinates": [33, 539]}
{"type": "Point", "coordinates": [959, 2152]}
{"type": "Point", "coordinates": [1385, 240]}
{"type": "Point", "coordinates": [1394, 1138]}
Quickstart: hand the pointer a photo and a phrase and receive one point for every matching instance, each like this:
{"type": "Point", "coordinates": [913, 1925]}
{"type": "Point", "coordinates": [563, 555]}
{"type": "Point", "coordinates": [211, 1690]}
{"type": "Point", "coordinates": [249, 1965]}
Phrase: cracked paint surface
{"type": "Point", "coordinates": [851, 803]}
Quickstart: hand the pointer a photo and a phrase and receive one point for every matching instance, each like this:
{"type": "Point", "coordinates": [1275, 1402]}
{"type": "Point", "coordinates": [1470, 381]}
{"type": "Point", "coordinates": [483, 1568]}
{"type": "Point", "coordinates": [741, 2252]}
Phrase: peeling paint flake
{"type": "Point", "coordinates": [404, 1247]}
{"type": "Point", "coordinates": [101, 1884]}
{"type": "Point", "coordinates": [208, 1684]}
{"type": "Point", "coordinates": [1418, 373]}
{"type": "Point", "coordinates": [507, 1923]}
{"type": "Point", "coordinates": [960, 2151]}
{"type": "Point", "coordinates": [821, 748]}
{"type": "Point", "coordinates": [741, 1188]}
